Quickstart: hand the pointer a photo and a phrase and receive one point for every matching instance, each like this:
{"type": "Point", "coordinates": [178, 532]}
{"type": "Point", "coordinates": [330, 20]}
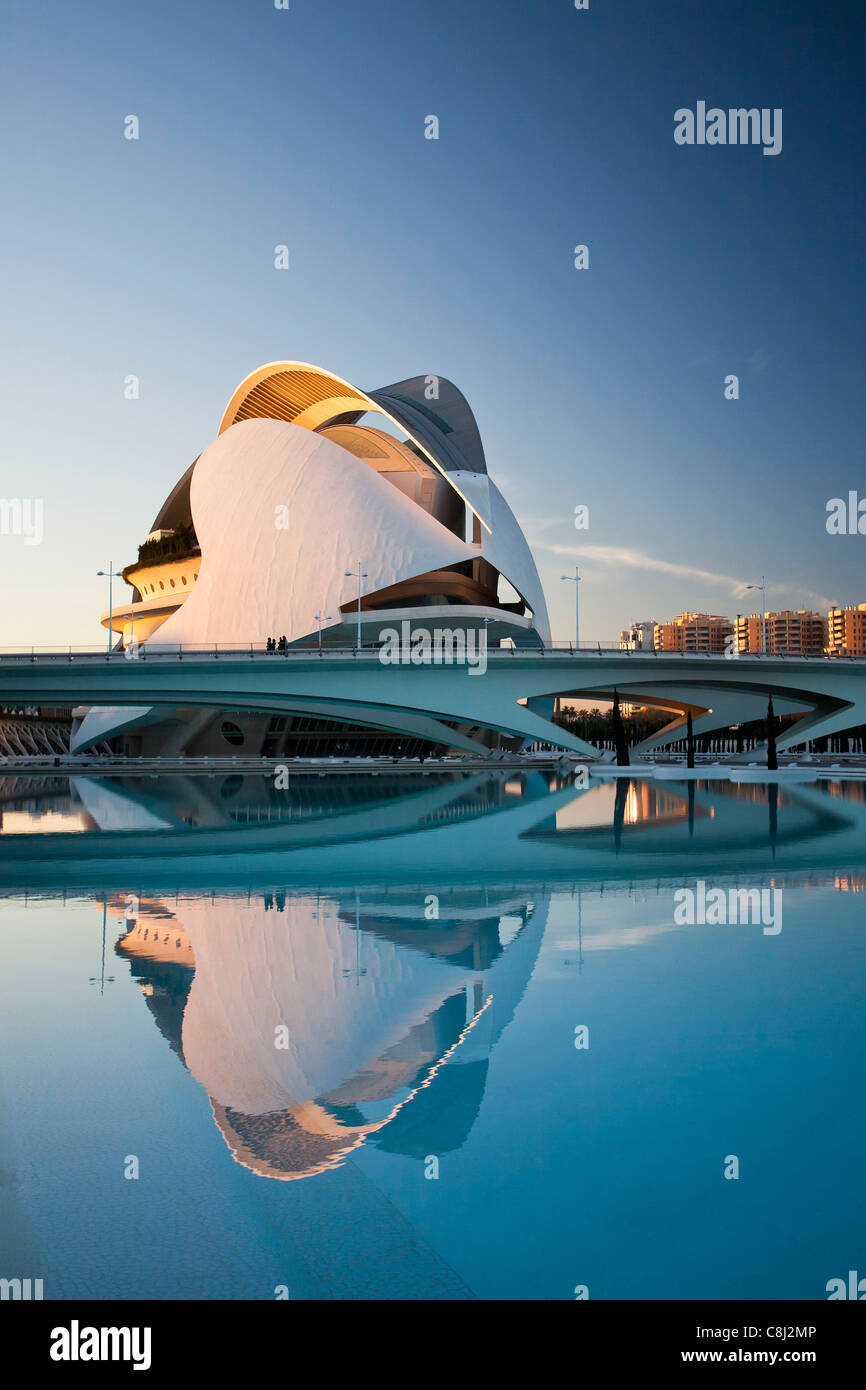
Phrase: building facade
{"type": "Point", "coordinates": [693, 632]}
{"type": "Point", "coordinates": [640, 637]}
{"type": "Point", "coordinates": [784, 633]}
{"type": "Point", "coordinates": [323, 515]}
{"type": "Point", "coordinates": [847, 631]}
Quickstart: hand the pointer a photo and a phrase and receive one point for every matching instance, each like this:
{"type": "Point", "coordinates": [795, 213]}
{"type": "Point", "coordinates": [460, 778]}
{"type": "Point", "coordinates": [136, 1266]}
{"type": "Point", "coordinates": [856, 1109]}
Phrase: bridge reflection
{"type": "Point", "coordinates": [237, 830]}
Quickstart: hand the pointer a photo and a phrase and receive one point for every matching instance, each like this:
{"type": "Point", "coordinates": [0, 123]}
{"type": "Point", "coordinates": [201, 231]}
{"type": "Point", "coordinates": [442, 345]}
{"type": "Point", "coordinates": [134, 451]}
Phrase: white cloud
{"type": "Point", "coordinates": [619, 556]}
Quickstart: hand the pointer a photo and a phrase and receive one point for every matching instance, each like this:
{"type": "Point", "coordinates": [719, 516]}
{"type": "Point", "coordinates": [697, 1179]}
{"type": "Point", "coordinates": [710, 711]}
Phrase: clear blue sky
{"type": "Point", "coordinates": [455, 256]}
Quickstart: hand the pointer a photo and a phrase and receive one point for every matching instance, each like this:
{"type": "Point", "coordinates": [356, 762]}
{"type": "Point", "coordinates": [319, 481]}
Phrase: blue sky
{"type": "Point", "coordinates": [602, 387]}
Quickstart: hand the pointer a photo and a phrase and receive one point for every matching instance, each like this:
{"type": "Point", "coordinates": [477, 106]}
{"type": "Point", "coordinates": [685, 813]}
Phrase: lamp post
{"type": "Point", "coordinates": [575, 580]}
{"type": "Point", "coordinates": [763, 588]}
{"type": "Point", "coordinates": [362, 574]}
{"type": "Point", "coordinates": [109, 575]}
{"type": "Point", "coordinates": [320, 620]}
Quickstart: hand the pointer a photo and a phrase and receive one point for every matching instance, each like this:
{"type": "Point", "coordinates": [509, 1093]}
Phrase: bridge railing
{"type": "Point", "coordinates": [151, 651]}
{"type": "Point", "coordinates": [154, 651]}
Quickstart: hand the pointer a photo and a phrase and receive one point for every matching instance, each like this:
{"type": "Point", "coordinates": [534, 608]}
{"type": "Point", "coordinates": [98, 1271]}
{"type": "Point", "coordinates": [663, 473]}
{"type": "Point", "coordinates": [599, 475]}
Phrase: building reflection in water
{"type": "Point", "coordinates": [318, 1019]}
{"type": "Point", "coordinates": [316, 1024]}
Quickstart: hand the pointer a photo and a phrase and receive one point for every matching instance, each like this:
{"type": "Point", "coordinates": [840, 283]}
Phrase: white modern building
{"type": "Point", "coordinates": [322, 514]}
{"type": "Point", "coordinates": [334, 521]}
{"type": "Point", "coordinates": [640, 637]}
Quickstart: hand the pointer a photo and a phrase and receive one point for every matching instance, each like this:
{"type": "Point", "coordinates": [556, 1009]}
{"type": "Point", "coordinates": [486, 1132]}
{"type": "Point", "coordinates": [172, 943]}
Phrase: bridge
{"type": "Point", "coordinates": [513, 693]}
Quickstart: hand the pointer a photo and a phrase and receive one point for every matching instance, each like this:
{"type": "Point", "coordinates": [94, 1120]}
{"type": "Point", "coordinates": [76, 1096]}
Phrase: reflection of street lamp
{"type": "Point", "coordinates": [320, 620]}
{"type": "Point", "coordinates": [575, 580]}
{"type": "Point", "coordinates": [109, 575]}
{"type": "Point", "coordinates": [350, 574]}
{"type": "Point", "coordinates": [763, 588]}
{"type": "Point", "coordinates": [358, 971]}
{"type": "Point", "coordinates": [579, 931]}
{"type": "Point", "coordinates": [102, 979]}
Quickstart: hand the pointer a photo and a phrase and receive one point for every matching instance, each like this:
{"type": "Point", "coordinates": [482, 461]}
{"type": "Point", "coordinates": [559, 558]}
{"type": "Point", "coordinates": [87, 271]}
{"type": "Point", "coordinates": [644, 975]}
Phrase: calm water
{"type": "Point", "coordinates": [333, 1028]}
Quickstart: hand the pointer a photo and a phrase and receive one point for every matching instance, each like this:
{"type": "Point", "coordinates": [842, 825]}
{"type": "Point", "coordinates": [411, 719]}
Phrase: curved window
{"type": "Point", "coordinates": [171, 582]}
{"type": "Point", "coordinates": [183, 579]}
{"type": "Point", "coordinates": [232, 734]}
{"type": "Point", "coordinates": [161, 585]}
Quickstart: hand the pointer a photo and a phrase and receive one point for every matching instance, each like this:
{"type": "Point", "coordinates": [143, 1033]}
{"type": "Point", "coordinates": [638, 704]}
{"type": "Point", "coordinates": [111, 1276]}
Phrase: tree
{"type": "Point", "coordinates": [772, 760]}
{"type": "Point", "coordinates": [619, 739]}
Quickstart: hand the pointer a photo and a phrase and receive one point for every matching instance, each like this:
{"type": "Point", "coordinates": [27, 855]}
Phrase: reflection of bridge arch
{"type": "Point", "coordinates": [549, 832]}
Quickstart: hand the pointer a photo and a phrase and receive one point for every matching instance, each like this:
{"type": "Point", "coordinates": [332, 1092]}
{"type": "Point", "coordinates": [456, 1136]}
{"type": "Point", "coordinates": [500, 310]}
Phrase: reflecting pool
{"type": "Point", "coordinates": [435, 1035]}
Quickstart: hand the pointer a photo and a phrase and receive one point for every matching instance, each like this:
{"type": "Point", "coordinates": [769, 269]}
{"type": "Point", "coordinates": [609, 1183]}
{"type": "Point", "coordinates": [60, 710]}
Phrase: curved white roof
{"type": "Point", "coordinates": [260, 577]}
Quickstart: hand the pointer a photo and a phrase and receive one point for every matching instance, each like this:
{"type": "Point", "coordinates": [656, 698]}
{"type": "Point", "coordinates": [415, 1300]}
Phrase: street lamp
{"type": "Point", "coordinates": [362, 574]}
{"type": "Point", "coordinates": [129, 647]}
{"type": "Point", "coordinates": [763, 588]}
{"type": "Point", "coordinates": [575, 580]}
{"type": "Point", "coordinates": [109, 575]}
{"type": "Point", "coordinates": [320, 620]}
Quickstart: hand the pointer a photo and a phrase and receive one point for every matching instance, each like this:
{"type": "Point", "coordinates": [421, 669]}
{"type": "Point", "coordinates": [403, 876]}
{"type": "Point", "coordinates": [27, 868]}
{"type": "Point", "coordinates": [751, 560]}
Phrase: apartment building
{"type": "Point", "coordinates": [693, 632]}
{"type": "Point", "coordinates": [640, 637]}
{"type": "Point", "coordinates": [784, 633]}
{"type": "Point", "coordinates": [847, 631]}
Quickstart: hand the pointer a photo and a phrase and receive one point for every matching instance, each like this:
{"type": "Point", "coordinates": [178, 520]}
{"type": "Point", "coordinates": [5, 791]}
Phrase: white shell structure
{"type": "Point", "coordinates": [292, 500]}
{"type": "Point", "coordinates": [293, 493]}
{"type": "Point", "coordinates": [267, 570]}
{"type": "Point", "coordinates": [281, 513]}
{"type": "Point", "coordinates": [294, 1012]}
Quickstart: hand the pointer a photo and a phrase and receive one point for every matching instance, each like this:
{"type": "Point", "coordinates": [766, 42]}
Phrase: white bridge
{"type": "Point", "coordinates": [443, 702]}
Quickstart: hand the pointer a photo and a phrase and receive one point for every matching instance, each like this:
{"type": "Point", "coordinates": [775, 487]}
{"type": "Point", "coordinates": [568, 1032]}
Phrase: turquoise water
{"type": "Point", "coordinates": [333, 1030]}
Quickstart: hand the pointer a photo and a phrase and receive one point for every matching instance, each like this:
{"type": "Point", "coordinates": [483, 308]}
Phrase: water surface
{"type": "Point", "coordinates": [334, 1027]}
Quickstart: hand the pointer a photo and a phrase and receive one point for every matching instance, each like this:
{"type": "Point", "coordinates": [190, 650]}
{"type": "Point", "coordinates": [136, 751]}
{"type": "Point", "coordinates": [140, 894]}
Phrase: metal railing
{"type": "Point", "coordinates": [253, 651]}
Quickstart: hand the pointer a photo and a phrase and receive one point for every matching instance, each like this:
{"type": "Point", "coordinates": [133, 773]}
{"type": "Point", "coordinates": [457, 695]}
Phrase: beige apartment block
{"type": "Point", "coordinates": [784, 633]}
{"type": "Point", "coordinates": [847, 631]}
{"type": "Point", "coordinates": [693, 632]}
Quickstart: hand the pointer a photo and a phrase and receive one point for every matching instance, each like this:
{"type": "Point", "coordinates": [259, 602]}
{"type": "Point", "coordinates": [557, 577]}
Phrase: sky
{"type": "Point", "coordinates": [601, 387]}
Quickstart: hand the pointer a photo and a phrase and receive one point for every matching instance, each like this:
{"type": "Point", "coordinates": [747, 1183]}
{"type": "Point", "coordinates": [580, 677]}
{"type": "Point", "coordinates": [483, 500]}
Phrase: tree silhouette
{"type": "Point", "coordinates": [619, 739]}
{"type": "Point", "coordinates": [772, 760]}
